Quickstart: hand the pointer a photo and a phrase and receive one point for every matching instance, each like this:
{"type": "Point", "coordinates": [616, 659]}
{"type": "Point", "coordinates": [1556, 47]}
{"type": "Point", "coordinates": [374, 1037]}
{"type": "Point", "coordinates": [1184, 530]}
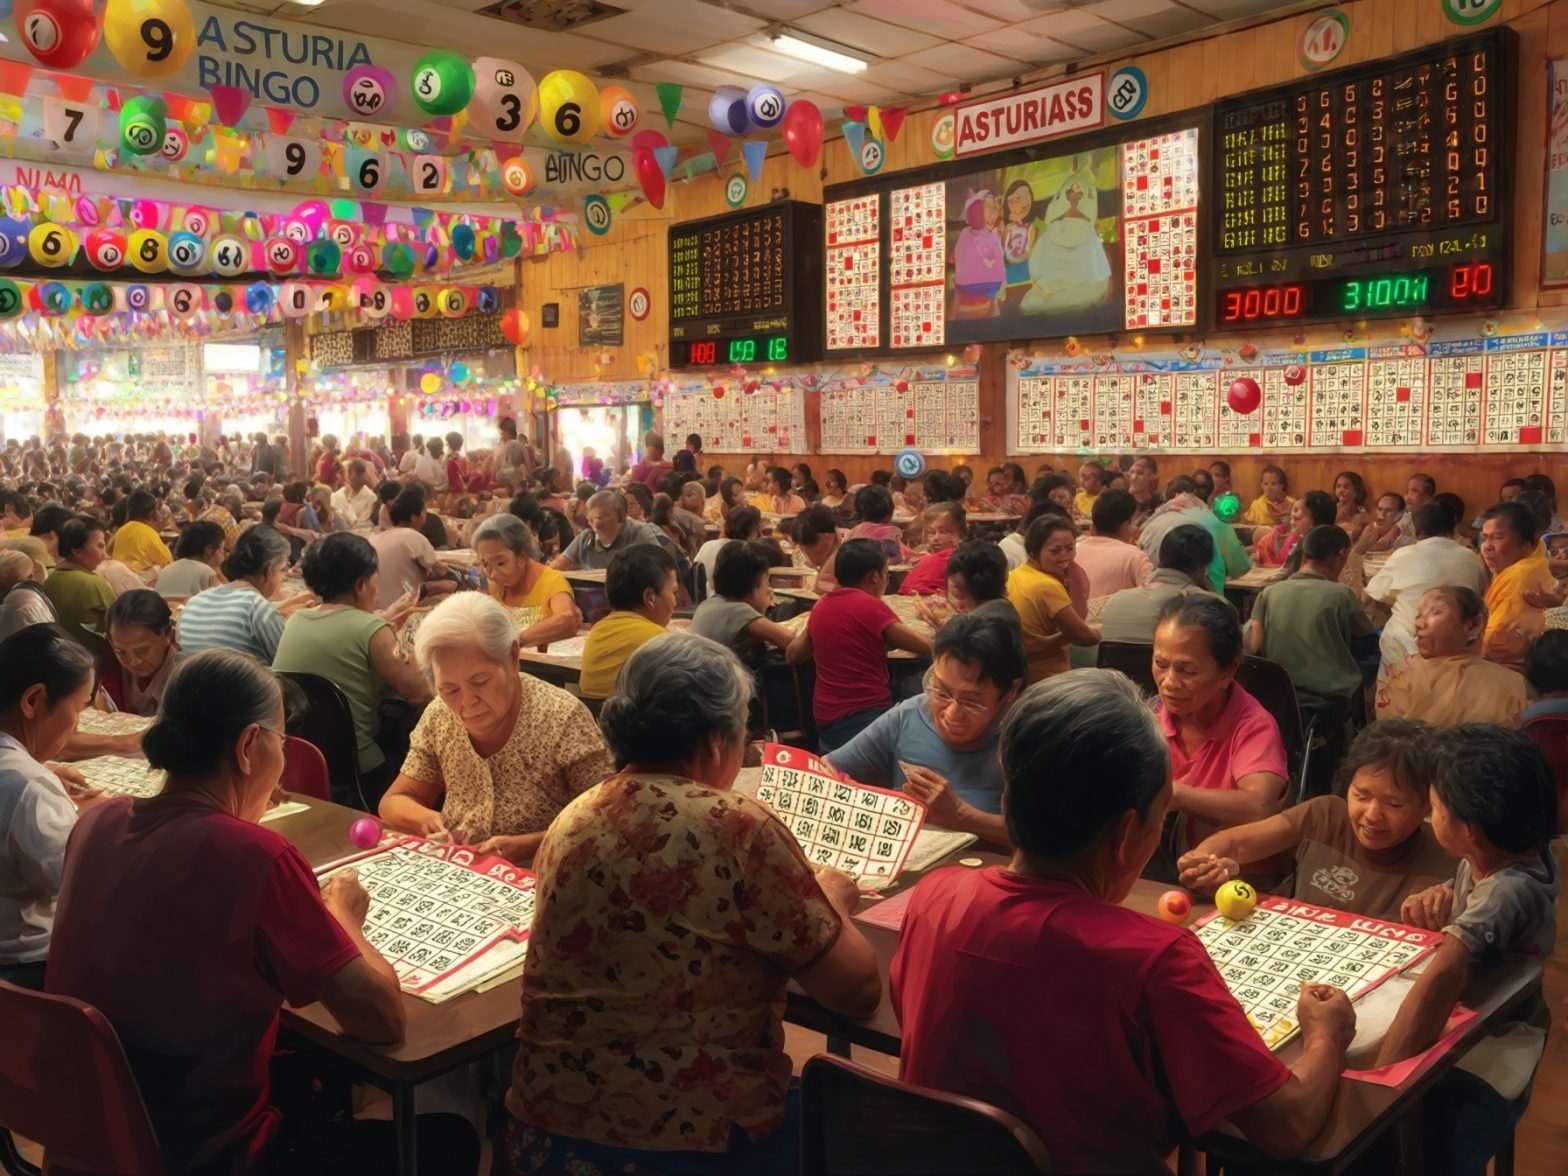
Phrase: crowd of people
{"type": "Point", "coordinates": [186, 583]}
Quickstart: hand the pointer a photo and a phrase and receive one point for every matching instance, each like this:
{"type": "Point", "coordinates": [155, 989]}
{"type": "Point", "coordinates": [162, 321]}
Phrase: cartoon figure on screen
{"type": "Point", "coordinates": [978, 269]}
{"type": "Point", "coordinates": [1019, 232]}
{"type": "Point", "coordinates": [1068, 263]}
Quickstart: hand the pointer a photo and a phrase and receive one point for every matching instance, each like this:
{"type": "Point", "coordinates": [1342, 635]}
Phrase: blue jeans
{"type": "Point", "coordinates": [1466, 1122]}
{"type": "Point", "coordinates": [832, 736]}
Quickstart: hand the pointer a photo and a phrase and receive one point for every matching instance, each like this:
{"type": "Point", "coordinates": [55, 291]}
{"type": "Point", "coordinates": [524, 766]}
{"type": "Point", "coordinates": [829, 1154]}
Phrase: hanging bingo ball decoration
{"type": "Point", "coordinates": [369, 90]}
{"type": "Point", "coordinates": [281, 255]}
{"type": "Point", "coordinates": [105, 249]}
{"type": "Point", "coordinates": [96, 298]}
{"type": "Point", "coordinates": [620, 111]}
{"type": "Point", "coordinates": [463, 241]}
{"type": "Point", "coordinates": [59, 33]}
{"type": "Point", "coordinates": [136, 299]}
{"type": "Point", "coordinates": [1244, 395]}
{"type": "Point", "coordinates": [176, 144]}
{"type": "Point", "coordinates": [258, 298]}
{"type": "Point", "coordinates": [505, 99]}
{"type": "Point", "coordinates": [296, 299]}
{"type": "Point", "coordinates": [398, 260]}
{"type": "Point", "coordinates": [517, 177]}
{"type": "Point", "coordinates": [187, 252]}
{"type": "Point", "coordinates": [323, 257]}
{"type": "Point", "coordinates": [487, 300]}
{"type": "Point", "coordinates": [223, 302]}
{"type": "Point", "coordinates": [360, 259]}
{"type": "Point", "coordinates": [10, 299]}
{"type": "Point", "coordinates": [443, 83]}
{"type": "Point", "coordinates": [727, 110]}
{"type": "Point", "coordinates": [1227, 507]}
{"type": "Point", "coordinates": [765, 107]}
{"type": "Point", "coordinates": [516, 327]}
{"type": "Point", "coordinates": [229, 256]}
{"type": "Point", "coordinates": [51, 245]}
{"type": "Point", "coordinates": [1295, 375]}
{"type": "Point", "coordinates": [910, 463]}
{"type": "Point", "coordinates": [52, 298]}
{"type": "Point", "coordinates": [568, 107]}
{"type": "Point", "coordinates": [143, 124]}
{"type": "Point", "coordinates": [149, 38]}
{"type": "Point", "coordinates": [452, 302]}
{"type": "Point", "coordinates": [13, 240]}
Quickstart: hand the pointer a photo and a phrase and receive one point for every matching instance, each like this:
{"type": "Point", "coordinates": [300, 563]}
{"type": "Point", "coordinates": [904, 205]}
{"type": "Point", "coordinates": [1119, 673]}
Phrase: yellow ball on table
{"type": "Point", "coordinates": [1235, 900]}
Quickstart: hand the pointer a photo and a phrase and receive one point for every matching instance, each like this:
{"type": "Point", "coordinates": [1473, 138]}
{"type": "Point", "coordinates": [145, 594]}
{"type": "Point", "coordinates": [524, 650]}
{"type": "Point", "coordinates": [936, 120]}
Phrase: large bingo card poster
{"type": "Point", "coordinates": [767, 420]}
{"type": "Point", "coordinates": [1454, 384]}
{"type": "Point", "coordinates": [854, 273]}
{"type": "Point", "coordinates": [917, 266]}
{"type": "Point", "coordinates": [934, 415]}
{"type": "Point", "coordinates": [865, 832]}
{"type": "Point", "coordinates": [1160, 229]}
{"type": "Point", "coordinates": [1514, 407]}
{"type": "Point", "coordinates": [436, 909]}
{"type": "Point", "coordinates": [1267, 957]}
{"type": "Point", "coordinates": [1396, 402]}
{"type": "Point", "coordinates": [120, 776]}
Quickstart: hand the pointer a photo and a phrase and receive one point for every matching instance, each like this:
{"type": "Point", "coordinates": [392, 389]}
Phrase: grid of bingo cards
{"type": "Point", "coordinates": [1074, 412]}
{"type": "Point", "coordinates": [1160, 226]}
{"type": "Point", "coordinates": [1515, 412]}
{"type": "Point", "coordinates": [1396, 402]}
{"type": "Point", "coordinates": [97, 722]}
{"type": "Point", "coordinates": [1283, 411]}
{"type": "Point", "coordinates": [930, 401]}
{"type": "Point", "coordinates": [1194, 397]}
{"type": "Point", "coordinates": [772, 421]}
{"type": "Point", "coordinates": [1557, 384]}
{"type": "Point", "coordinates": [854, 255]}
{"type": "Point", "coordinates": [865, 832]}
{"type": "Point", "coordinates": [430, 915]}
{"type": "Point", "coordinates": [1114, 411]}
{"type": "Point", "coordinates": [1267, 957]}
{"type": "Point", "coordinates": [1236, 430]}
{"type": "Point", "coordinates": [1036, 414]}
{"type": "Point", "coordinates": [849, 422]}
{"type": "Point", "coordinates": [1151, 410]}
{"type": "Point", "coordinates": [1339, 405]}
{"type": "Point", "coordinates": [120, 776]}
{"type": "Point", "coordinates": [1454, 384]}
{"type": "Point", "coordinates": [917, 261]}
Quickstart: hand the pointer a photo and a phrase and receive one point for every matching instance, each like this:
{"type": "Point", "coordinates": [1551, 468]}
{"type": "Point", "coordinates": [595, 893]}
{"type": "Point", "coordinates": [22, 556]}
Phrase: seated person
{"type": "Point", "coordinates": [677, 1064]}
{"type": "Point", "coordinates": [1546, 670]}
{"type": "Point", "coordinates": [509, 553]}
{"type": "Point", "coordinates": [944, 527]}
{"type": "Point", "coordinates": [976, 584]}
{"type": "Point", "coordinates": [1227, 759]}
{"type": "Point", "coordinates": [1494, 806]}
{"type": "Point", "coordinates": [735, 613]}
{"type": "Point", "coordinates": [240, 615]}
{"type": "Point", "coordinates": [1006, 979]}
{"type": "Point", "coordinates": [497, 754]}
{"type": "Point", "coordinates": [1277, 548]}
{"type": "Point", "coordinates": [46, 681]}
{"type": "Point", "coordinates": [1447, 681]}
{"type": "Point", "coordinates": [940, 746]}
{"type": "Point", "coordinates": [1364, 849]}
{"type": "Point", "coordinates": [609, 531]}
{"type": "Point", "coordinates": [141, 637]}
{"type": "Point", "coordinates": [642, 591]}
{"type": "Point", "coordinates": [1510, 545]}
{"type": "Point", "coordinates": [1183, 507]}
{"type": "Point", "coordinates": [1271, 508]}
{"type": "Point", "coordinates": [405, 556]}
{"type": "Point", "coordinates": [1052, 620]}
{"type": "Point", "coordinates": [744, 523]}
{"type": "Point", "coordinates": [198, 560]}
{"type": "Point", "coordinates": [1133, 613]}
{"type": "Point", "coordinates": [1109, 554]}
{"type": "Point", "coordinates": [874, 504]}
{"type": "Point", "coordinates": [23, 601]}
{"type": "Point", "coordinates": [817, 539]}
{"type": "Point", "coordinates": [1390, 528]}
{"type": "Point", "coordinates": [848, 633]}
{"type": "Point", "coordinates": [784, 500]}
{"type": "Point", "coordinates": [137, 543]}
{"type": "Point", "coordinates": [81, 597]}
{"type": "Point", "coordinates": [1091, 481]}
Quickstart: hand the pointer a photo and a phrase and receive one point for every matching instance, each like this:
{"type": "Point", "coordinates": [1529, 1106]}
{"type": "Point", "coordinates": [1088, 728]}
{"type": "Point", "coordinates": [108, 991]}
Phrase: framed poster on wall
{"type": "Point", "coordinates": [1554, 237]}
{"type": "Point", "coordinates": [601, 316]}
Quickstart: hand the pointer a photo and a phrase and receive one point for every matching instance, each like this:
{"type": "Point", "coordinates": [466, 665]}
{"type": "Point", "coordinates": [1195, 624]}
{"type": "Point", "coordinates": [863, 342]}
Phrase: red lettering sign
{"type": "Point", "coordinates": [1062, 107]}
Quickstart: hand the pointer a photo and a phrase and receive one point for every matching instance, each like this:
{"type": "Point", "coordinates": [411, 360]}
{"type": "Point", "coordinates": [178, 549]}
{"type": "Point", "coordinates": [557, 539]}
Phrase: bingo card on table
{"type": "Point", "coordinates": [120, 776]}
{"type": "Point", "coordinates": [97, 722]}
{"type": "Point", "coordinates": [865, 832]}
{"type": "Point", "coordinates": [1267, 957]}
{"type": "Point", "coordinates": [436, 909]}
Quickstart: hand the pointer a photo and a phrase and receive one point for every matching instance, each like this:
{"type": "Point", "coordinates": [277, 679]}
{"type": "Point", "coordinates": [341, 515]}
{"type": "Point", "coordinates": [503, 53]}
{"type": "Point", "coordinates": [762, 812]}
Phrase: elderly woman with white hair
{"type": "Point", "coordinates": [671, 914]}
{"type": "Point", "coordinates": [509, 553]}
{"type": "Point", "coordinates": [23, 601]}
{"type": "Point", "coordinates": [497, 754]}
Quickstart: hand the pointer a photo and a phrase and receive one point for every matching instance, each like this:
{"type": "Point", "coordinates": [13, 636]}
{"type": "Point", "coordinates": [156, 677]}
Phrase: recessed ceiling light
{"type": "Point", "coordinates": [817, 51]}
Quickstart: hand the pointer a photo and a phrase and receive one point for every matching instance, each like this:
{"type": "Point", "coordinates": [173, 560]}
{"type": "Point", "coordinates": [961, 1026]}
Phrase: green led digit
{"type": "Point", "coordinates": [743, 350]}
{"type": "Point", "coordinates": [1350, 297]}
{"type": "Point", "coordinates": [778, 348]}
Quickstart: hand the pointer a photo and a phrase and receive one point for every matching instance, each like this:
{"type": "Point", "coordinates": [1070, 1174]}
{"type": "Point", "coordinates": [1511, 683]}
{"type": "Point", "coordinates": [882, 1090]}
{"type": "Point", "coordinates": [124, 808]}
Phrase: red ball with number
{"type": "Point", "coordinates": [361, 259]}
{"type": "Point", "coordinates": [282, 255]}
{"type": "Point", "coordinates": [1244, 395]}
{"type": "Point", "coordinates": [59, 33]}
{"type": "Point", "coordinates": [1295, 375]}
{"type": "Point", "coordinates": [106, 249]}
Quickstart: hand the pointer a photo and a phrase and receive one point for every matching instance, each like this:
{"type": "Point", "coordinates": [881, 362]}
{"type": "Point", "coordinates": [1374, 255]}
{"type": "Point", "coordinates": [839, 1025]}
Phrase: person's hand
{"type": "Point", "coordinates": [1429, 909]}
{"type": "Point", "coordinates": [842, 890]}
{"type": "Point", "coordinates": [400, 609]}
{"type": "Point", "coordinates": [432, 826]}
{"type": "Point", "coordinates": [1544, 597]}
{"type": "Point", "coordinates": [128, 744]}
{"type": "Point", "coordinates": [1325, 1011]}
{"type": "Point", "coordinates": [67, 775]}
{"type": "Point", "coordinates": [933, 610]}
{"type": "Point", "coordinates": [518, 850]}
{"type": "Point", "coordinates": [1205, 872]}
{"type": "Point", "coordinates": [932, 790]}
{"type": "Point", "coordinates": [346, 897]}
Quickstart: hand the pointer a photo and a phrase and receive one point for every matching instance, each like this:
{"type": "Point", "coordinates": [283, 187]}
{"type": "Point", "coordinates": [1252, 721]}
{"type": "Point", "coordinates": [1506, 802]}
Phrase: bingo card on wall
{"type": "Point", "coordinates": [934, 415]}
{"type": "Point", "coordinates": [767, 420]}
{"type": "Point", "coordinates": [1454, 383]}
{"type": "Point", "coordinates": [917, 244]}
{"type": "Point", "coordinates": [1160, 229]}
{"type": "Point", "coordinates": [1396, 401]}
{"type": "Point", "coordinates": [1514, 406]}
{"type": "Point", "coordinates": [853, 273]}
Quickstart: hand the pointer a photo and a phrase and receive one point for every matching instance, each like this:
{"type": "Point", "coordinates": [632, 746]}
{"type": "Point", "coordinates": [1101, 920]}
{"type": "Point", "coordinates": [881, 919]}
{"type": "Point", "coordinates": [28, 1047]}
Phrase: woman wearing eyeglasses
{"type": "Point", "coordinates": [941, 745]}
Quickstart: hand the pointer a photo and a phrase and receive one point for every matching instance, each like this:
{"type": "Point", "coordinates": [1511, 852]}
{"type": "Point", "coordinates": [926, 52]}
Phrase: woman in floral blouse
{"type": "Point", "coordinates": [672, 911]}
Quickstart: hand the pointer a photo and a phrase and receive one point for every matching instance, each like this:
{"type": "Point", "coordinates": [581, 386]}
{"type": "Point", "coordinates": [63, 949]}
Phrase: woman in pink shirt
{"type": "Point", "coordinates": [874, 504]}
{"type": "Point", "coordinates": [1227, 760]}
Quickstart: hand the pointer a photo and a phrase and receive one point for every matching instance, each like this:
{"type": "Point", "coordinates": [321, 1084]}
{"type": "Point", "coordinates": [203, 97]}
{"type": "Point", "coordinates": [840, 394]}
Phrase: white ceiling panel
{"type": "Point", "coordinates": [774, 10]}
{"type": "Point", "coordinates": [1231, 9]}
{"type": "Point", "coordinates": [1015, 10]}
{"type": "Point", "coordinates": [688, 73]}
{"type": "Point", "coordinates": [1172, 22]}
{"type": "Point", "coordinates": [1127, 11]}
{"type": "Point", "coordinates": [865, 32]}
{"type": "Point", "coordinates": [647, 31]}
{"type": "Point", "coordinates": [906, 78]}
{"type": "Point", "coordinates": [937, 17]}
{"type": "Point", "coordinates": [763, 65]}
{"type": "Point", "coordinates": [964, 62]}
{"type": "Point", "coordinates": [1035, 48]}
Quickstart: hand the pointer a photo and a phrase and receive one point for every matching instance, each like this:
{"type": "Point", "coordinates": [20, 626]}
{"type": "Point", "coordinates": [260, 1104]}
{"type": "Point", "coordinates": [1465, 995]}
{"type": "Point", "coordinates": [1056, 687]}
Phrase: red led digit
{"type": "Point", "coordinates": [1292, 299]}
{"type": "Point", "coordinates": [702, 353]}
{"type": "Point", "coordinates": [1471, 280]}
{"type": "Point", "coordinates": [1232, 309]}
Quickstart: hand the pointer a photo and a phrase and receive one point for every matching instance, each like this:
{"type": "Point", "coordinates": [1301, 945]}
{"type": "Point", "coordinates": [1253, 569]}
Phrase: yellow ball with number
{"type": "Point", "coordinates": [568, 107]}
{"type": "Point", "coordinates": [149, 38]}
{"type": "Point", "coordinates": [51, 245]}
{"type": "Point", "coordinates": [1235, 900]}
{"type": "Point", "coordinates": [148, 251]}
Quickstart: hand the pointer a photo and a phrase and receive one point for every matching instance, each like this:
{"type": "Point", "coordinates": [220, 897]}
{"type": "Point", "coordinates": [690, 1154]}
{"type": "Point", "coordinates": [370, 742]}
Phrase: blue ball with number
{"type": "Point", "coordinates": [910, 463]}
{"type": "Point", "coordinates": [765, 106]}
{"type": "Point", "coordinates": [13, 240]}
{"type": "Point", "coordinates": [258, 298]}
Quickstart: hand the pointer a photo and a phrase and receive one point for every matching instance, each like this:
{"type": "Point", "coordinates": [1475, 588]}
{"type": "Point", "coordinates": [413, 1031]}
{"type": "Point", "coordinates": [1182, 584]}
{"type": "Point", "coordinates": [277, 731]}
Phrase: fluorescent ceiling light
{"type": "Point", "coordinates": [817, 52]}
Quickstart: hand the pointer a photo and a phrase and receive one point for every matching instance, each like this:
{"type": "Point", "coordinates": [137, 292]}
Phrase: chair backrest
{"type": "Point", "coordinates": [65, 1084]}
{"type": "Point", "coordinates": [1269, 682]}
{"type": "Point", "coordinates": [1133, 658]}
{"type": "Point", "coordinates": [854, 1120]}
{"type": "Point", "coordinates": [1550, 734]}
{"type": "Point", "coordinates": [328, 722]}
{"type": "Point", "coordinates": [305, 769]}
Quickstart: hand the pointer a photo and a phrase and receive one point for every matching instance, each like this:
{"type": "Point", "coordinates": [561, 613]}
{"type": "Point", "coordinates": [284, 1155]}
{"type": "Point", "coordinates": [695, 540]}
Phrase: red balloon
{"type": "Point", "coordinates": [1295, 375]}
{"type": "Point", "coordinates": [59, 33]}
{"type": "Point", "coordinates": [647, 140]}
{"type": "Point", "coordinates": [1244, 395]}
{"type": "Point", "coordinates": [516, 327]}
{"type": "Point", "coordinates": [650, 176]}
{"type": "Point", "coordinates": [803, 131]}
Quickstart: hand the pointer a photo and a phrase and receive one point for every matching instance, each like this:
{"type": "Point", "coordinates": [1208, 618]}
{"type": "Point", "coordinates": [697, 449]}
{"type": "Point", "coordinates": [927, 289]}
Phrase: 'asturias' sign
{"type": "Point", "coordinates": [1027, 116]}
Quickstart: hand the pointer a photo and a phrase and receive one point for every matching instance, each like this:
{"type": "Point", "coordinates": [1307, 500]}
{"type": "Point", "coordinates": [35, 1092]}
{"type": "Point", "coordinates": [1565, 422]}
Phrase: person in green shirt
{"type": "Point", "coordinates": [641, 586]}
{"type": "Point", "coordinates": [81, 597]}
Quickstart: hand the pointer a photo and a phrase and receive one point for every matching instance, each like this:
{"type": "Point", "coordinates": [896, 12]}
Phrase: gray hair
{"type": "Point", "coordinates": [1078, 751]}
{"type": "Point", "coordinates": [233, 500]}
{"type": "Point", "coordinates": [467, 618]}
{"type": "Point", "coordinates": [209, 701]}
{"type": "Point", "coordinates": [608, 498]}
{"type": "Point", "coordinates": [15, 566]}
{"type": "Point", "coordinates": [509, 530]}
{"type": "Point", "coordinates": [672, 693]}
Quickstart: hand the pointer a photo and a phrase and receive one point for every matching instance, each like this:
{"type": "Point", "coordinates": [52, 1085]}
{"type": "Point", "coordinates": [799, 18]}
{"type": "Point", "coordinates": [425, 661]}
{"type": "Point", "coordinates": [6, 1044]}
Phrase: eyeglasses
{"type": "Point", "coordinates": [941, 698]}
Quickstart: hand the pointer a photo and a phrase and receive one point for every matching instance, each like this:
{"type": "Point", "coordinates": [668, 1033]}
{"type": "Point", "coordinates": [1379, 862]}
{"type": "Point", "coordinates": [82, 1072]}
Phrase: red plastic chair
{"type": "Point", "coordinates": [305, 769]}
{"type": "Point", "coordinates": [65, 1084]}
{"type": "Point", "coordinates": [1550, 734]}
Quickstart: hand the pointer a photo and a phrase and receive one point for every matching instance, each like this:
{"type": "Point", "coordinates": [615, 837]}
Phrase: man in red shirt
{"type": "Point", "coordinates": [1030, 987]}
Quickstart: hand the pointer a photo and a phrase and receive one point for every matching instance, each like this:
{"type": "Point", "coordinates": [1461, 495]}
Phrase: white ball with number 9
{"type": "Point", "coordinates": [230, 256]}
{"type": "Point", "coordinates": [505, 100]}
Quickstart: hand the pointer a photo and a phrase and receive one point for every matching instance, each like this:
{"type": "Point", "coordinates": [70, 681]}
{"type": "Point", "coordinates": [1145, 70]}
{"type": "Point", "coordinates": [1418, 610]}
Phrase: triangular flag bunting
{"type": "Point", "coordinates": [180, 107]}
{"type": "Point", "coordinates": [855, 113]}
{"type": "Point", "coordinates": [721, 147]}
{"type": "Point", "coordinates": [73, 88]}
{"type": "Point", "coordinates": [874, 122]}
{"type": "Point", "coordinates": [854, 135]}
{"type": "Point", "coordinates": [893, 121]}
{"type": "Point", "coordinates": [279, 120]}
{"type": "Point", "coordinates": [229, 103]}
{"type": "Point", "coordinates": [666, 157]}
{"type": "Point", "coordinates": [14, 76]}
{"type": "Point", "coordinates": [755, 151]}
{"type": "Point", "coordinates": [669, 99]}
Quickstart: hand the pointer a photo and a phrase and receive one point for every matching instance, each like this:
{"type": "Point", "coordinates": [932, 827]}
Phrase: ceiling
{"type": "Point", "coordinates": [921, 48]}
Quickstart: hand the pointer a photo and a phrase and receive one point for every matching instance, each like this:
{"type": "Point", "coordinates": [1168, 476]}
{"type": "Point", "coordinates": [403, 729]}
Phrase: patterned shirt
{"type": "Point", "coordinates": [670, 917]}
{"type": "Point", "coordinates": [555, 752]}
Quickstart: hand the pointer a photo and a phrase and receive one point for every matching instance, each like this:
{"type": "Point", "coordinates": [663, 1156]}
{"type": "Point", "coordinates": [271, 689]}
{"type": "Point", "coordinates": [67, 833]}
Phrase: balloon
{"type": "Point", "coordinates": [803, 131]}
{"type": "Point", "coordinates": [1244, 395]}
{"type": "Point", "coordinates": [452, 302]}
{"type": "Point", "coordinates": [360, 259]}
{"type": "Point", "coordinates": [59, 33]}
{"type": "Point", "coordinates": [223, 302]}
{"type": "Point", "coordinates": [10, 299]}
{"type": "Point", "coordinates": [459, 372]}
{"type": "Point", "coordinates": [517, 177]}
{"type": "Point", "coordinates": [369, 90]}
{"type": "Point", "coordinates": [13, 240]}
{"type": "Point", "coordinates": [148, 214]}
{"type": "Point", "coordinates": [343, 232]}
{"type": "Point", "coordinates": [430, 383]}
{"type": "Point", "coordinates": [511, 240]}
{"type": "Point", "coordinates": [650, 177]}
{"type": "Point", "coordinates": [136, 298]}
{"type": "Point", "coordinates": [568, 107]}
{"type": "Point", "coordinates": [52, 297]}
{"type": "Point", "coordinates": [184, 298]}
{"type": "Point", "coordinates": [727, 110]}
{"type": "Point", "coordinates": [51, 245]}
{"type": "Point", "coordinates": [1295, 375]}
{"type": "Point", "coordinates": [505, 99]}
{"type": "Point", "coordinates": [176, 144]}
{"type": "Point", "coordinates": [106, 249]}
{"type": "Point", "coordinates": [402, 303]}
{"type": "Point", "coordinates": [911, 463]}
{"type": "Point", "coordinates": [142, 124]}
{"type": "Point", "coordinates": [463, 241]}
{"type": "Point", "coordinates": [313, 214]}
{"type": "Point", "coordinates": [149, 251]}
{"type": "Point", "coordinates": [96, 298]}
{"type": "Point", "coordinates": [516, 327]}
{"type": "Point", "coordinates": [647, 140]}
{"type": "Point", "coordinates": [619, 108]}
{"type": "Point", "coordinates": [765, 107]}
{"type": "Point", "coordinates": [398, 260]}
{"type": "Point", "coordinates": [258, 298]}
{"type": "Point", "coordinates": [296, 299]}
{"type": "Point", "coordinates": [1227, 507]}
{"type": "Point", "coordinates": [443, 82]}
{"type": "Point", "coordinates": [323, 257]}
{"type": "Point", "coordinates": [281, 255]}
{"type": "Point", "coordinates": [187, 253]}
{"type": "Point", "coordinates": [149, 38]}
{"type": "Point", "coordinates": [229, 257]}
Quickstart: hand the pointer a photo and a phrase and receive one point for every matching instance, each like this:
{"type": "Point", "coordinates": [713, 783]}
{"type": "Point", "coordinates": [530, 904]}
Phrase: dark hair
{"type": "Point", "coordinates": [409, 504]}
{"type": "Point", "coordinates": [813, 523]}
{"type": "Point", "coordinates": [45, 654]}
{"type": "Point", "coordinates": [49, 518]}
{"type": "Point", "coordinates": [633, 570]}
{"type": "Point", "coordinates": [197, 538]}
{"type": "Point", "coordinates": [1432, 518]}
{"type": "Point", "coordinates": [1320, 505]}
{"type": "Point", "coordinates": [1520, 519]}
{"type": "Point", "coordinates": [1183, 484]}
{"type": "Point", "coordinates": [1543, 486]}
{"type": "Point", "coordinates": [727, 489]}
{"type": "Point", "coordinates": [270, 510]}
{"type": "Point", "coordinates": [1202, 484]}
{"type": "Point", "coordinates": [1112, 510]}
{"type": "Point", "coordinates": [77, 534]}
{"type": "Point", "coordinates": [738, 568]}
{"type": "Point", "coordinates": [836, 475]}
{"type": "Point", "coordinates": [1324, 542]}
{"type": "Point", "coordinates": [209, 701]}
{"type": "Point", "coordinates": [388, 491]}
{"type": "Point", "coordinates": [141, 505]}
{"type": "Point", "coordinates": [1015, 472]}
{"type": "Point", "coordinates": [988, 642]}
{"type": "Point", "coordinates": [1189, 549]}
{"type": "Point", "coordinates": [1358, 484]}
{"type": "Point", "coordinates": [1090, 464]}
{"type": "Point", "coordinates": [945, 487]}
{"type": "Point", "coordinates": [1214, 616]}
{"type": "Point", "coordinates": [1546, 665]}
{"type": "Point", "coordinates": [1399, 498]}
{"type": "Point", "coordinates": [881, 477]}
{"type": "Point", "coordinates": [18, 502]}
{"type": "Point", "coordinates": [1044, 508]}
{"type": "Point", "coordinates": [254, 551]}
{"type": "Point", "coordinates": [1041, 490]}
{"type": "Point", "coordinates": [642, 494]}
{"type": "Point", "coordinates": [952, 510]}
{"type": "Point", "coordinates": [856, 559]}
{"type": "Point", "coordinates": [1519, 482]}
{"type": "Point", "coordinates": [140, 606]}
{"type": "Point", "coordinates": [1497, 781]}
{"type": "Point", "coordinates": [1401, 748]}
{"type": "Point", "coordinates": [874, 504]}
{"type": "Point", "coordinates": [983, 567]}
{"type": "Point", "coordinates": [694, 437]}
{"type": "Point", "coordinates": [1041, 530]}
{"type": "Point", "coordinates": [335, 564]}
{"type": "Point", "coordinates": [663, 513]}
{"type": "Point", "coordinates": [1456, 506]}
{"type": "Point", "coordinates": [744, 522]}
{"type": "Point", "coordinates": [295, 492]}
{"type": "Point", "coordinates": [1284, 478]}
{"type": "Point", "coordinates": [683, 461]}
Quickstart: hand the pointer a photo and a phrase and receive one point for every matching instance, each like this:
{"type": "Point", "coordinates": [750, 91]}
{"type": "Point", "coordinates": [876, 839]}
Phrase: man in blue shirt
{"type": "Point", "coordinates": [941, 746]}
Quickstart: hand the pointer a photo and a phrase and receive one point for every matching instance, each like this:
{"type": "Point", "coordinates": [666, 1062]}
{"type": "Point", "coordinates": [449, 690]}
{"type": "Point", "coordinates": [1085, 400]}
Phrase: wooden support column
{"type": "Point", "coordinates": [54, 414]}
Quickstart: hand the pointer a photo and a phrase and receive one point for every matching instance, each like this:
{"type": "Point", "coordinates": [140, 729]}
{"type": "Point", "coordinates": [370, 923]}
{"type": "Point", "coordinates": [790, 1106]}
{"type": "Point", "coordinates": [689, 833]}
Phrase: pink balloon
{"type": "Point", "coordinates": [803, 131]}
{"type": "Point", "coordinates": [650, 176]}
{"type": "Point", "coordinates": [1244, 395]}
{"type": "Point", "coordinates": [402, 303]}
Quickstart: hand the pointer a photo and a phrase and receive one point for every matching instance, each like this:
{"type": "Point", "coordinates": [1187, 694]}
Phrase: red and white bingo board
{"type": "Point", "coordinates": [854, 273]}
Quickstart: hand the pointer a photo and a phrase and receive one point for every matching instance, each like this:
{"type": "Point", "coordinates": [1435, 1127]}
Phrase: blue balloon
{"type": "Point", "coordinates": [489, 300]}
{"type": "Point", "coordinates": [765, 106]}
{"type": "Point", "coordinates": [463, 241]}
{"type": "Point", "coordinates": [223, 301]}
{"type": "Point", "coordinates": [13, 240]}
{"type": "Point", "coordinates": [727, 110]}
{"type": "Point", "coordinates": [258, 298]}
{"type": "Point", "coordinates": [54, 298]}
{"type": "Point", "coordinates": [138, 298]}
{"type": "Point", "coordinates": [911, 463]}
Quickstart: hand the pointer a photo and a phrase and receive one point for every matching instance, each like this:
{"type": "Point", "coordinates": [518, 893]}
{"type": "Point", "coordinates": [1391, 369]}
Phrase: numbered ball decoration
{"type": "Point", "coordinates": [517, 177]}
{"type": "Point", "coordinates": [911, 463]}
{"type": "Point", "coordinates": [13, 240]}
{"type": "Point", "coordinates": [223, 302]}
{"type": "Point", "coordinates": [1295, 375]}
{"type": "Point", "coordinates": [148, 251]}
{"type": "Point", "coordinates": [1244, 395]}
{"type": "Point", "coordinates": [52, 298]}
{"type": "Point", "coordinates": [443, 83]}
{"type": "Point", "coordinates": [105, 249]}
{"type": "Point", "coordinates": [176, 144]}
{"type": "Point", "coordinates": [727, 110]}
{"type": "Point", "coordinates": [281, 255]}
{"type": "Point", "coordinates": [1174, 906]}
{"type": "Point", "coordinates": [187, 253]}
{"type": "Point", "coordinates": [516, 327]}
{"type": "Point", "coordinates": [360, 259]}
{"type": "Point", "coordinates": [369, 90]}
{"type": "Point", "coordinates": [323, 257]}
{"type": "Point", "coordinates": [96, 298]}
{"type": "Point", "coordinates": [765, 107]}
{"type": "Point", "coordinates": [1227, 507]}
{"type": "Point", "coordinates": [345, 233]}
{"type": "Point", "coordinates": [184, 298]}
{"type": "Point", "coordinates": [568, 107]}
{"type": "Point", "coordinates": [296, 299]}
{"type": "Point", "coordinates": [424, 302]}
{"type": "Point", "coordinates": [59, 33]}
{"type": "Point", "coordinates": [463, 241]}
{"type": "Point", "coordinates": [398, 260]}
{"type": "Point", "coordinates": [452, 302]}
{"type": "Point", "coordinates": [51, 246]}
{"type": "Point", "coordinates": [143, 124]}
{"type": "Point", "coordinates": [195, 220]}
{"type": "Point", "coordinates": [487, 300]}
{"type": "Point", "coordinates": [371, 299]}
{"type": "Point", "coordinates": [134, 298]}
{"type": "Point", "coordinates": [10, 299]}
{"type": "Point", "coordinates": [149, 38]}
{"type": "Point", "coordinates": [618, 107]}
{"type": "Point", "coordinates": [258, 298]}
{"type": "Point", "coordinates": [505, 100]}
{"type": "Point", "coordinates": [229, 256]}
{"type": "Point", "coordinates": [1236, 899]}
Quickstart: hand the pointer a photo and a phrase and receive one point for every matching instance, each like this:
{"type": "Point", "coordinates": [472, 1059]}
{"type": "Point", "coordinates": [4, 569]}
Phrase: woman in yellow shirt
{"type": "Point", "coordinates": [1272, 507]}
{"type": "Point", "coordinates": [1037, 588]}
{"type": "Point", "coordinates": [137, 544]}
{"type": "Point", "coordinates": [641, 586]}
{"type": "Point", "coordinates": [509, 553]}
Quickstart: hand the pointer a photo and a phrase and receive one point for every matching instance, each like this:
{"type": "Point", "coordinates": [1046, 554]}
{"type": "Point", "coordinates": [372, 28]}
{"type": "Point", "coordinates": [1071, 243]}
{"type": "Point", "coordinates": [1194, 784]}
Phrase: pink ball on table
{"type": "Point", "coordinates": [365, 832]}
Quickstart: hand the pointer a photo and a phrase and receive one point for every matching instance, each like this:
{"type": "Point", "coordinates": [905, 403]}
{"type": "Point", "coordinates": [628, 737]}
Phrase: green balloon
{"type": "Point", "coordinates": [10, 299]}
{"type": "Point", "coordinates": [1227, 507]}
{"type": "Point", "coordinates": [323, 257]}
{"type": "Point", "coordinates": [398, 260]}
{"type": "Point", "coordinates": [143, 121]}
{"type": "Point", "coordinates": [443, 82]}
{"type": "Point", "coordinates": [511, 240]}
{"type": "Point", "coordinates": [347, 210]}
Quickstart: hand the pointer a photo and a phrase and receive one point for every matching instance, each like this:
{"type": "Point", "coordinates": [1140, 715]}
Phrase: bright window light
{"type": "Point", "coordinates": [818, 54]}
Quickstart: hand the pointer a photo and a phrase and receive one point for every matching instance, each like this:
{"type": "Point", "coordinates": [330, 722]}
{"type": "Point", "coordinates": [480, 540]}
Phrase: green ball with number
{"type": "Point", "coordinates": [443, 82]}
{"type": "Point", "coordinates": [10, 299]}
{"type": "Point", "coordinates": [324, 257]}
{"type": "Point", "coordinates": [143, 121]}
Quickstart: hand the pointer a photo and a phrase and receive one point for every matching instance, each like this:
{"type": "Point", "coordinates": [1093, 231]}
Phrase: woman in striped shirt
{"type": "Point", "coordinates": [240, 615]}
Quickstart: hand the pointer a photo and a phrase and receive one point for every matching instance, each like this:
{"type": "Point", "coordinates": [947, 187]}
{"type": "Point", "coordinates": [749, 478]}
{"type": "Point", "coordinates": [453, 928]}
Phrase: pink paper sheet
{"type": "Point", "coordinates": [1398, 1073]}
{"type": "Point", "coordinates": [889, 912]}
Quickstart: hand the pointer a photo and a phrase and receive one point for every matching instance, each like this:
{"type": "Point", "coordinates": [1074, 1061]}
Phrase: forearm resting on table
{"type": "Point", "coordinates": [364, 995]}
{"type": "Point", "coordinates": [408, 804]}
{"type": "Point", "coordinates": [1426, 1008]}
{"type": "Point", "coordinates": [990, 827]}
{"type": "Point", "coordinates": [1255, 797]}
{"type": "Point", "coordinates": [1285, 1122]}
{"type": "Point", "coordinates": [846, 980]}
